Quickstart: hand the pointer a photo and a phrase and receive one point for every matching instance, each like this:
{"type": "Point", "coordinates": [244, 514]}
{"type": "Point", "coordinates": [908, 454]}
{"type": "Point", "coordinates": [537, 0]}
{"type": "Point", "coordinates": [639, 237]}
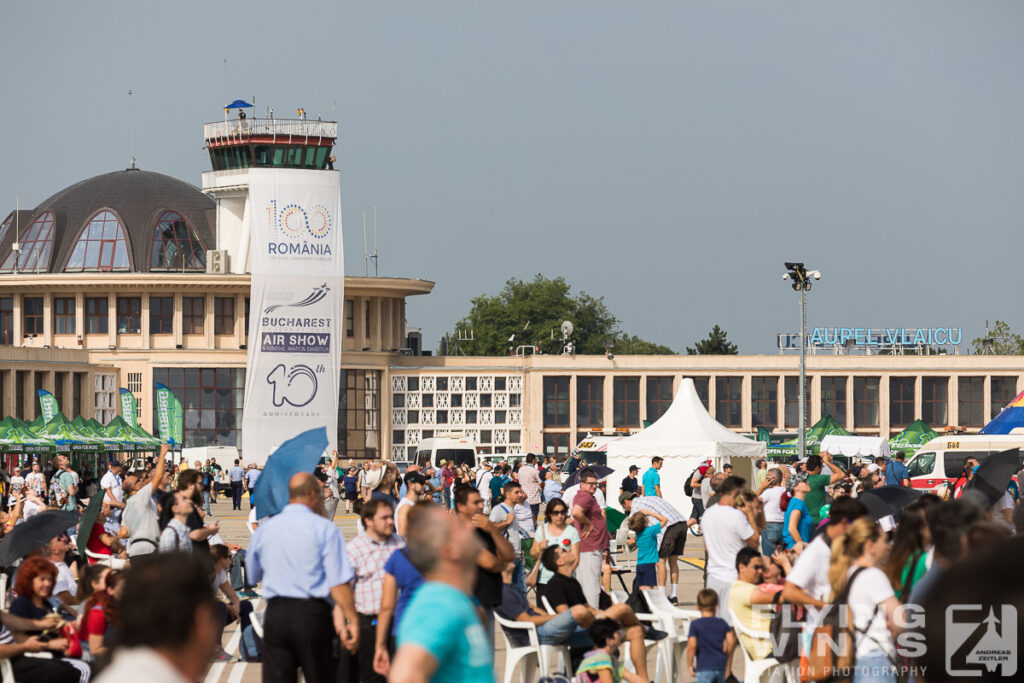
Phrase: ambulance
{"type": "Point", "coordinates": [940, 462]}
{"type": "Point", "coordinates": [593, 449]}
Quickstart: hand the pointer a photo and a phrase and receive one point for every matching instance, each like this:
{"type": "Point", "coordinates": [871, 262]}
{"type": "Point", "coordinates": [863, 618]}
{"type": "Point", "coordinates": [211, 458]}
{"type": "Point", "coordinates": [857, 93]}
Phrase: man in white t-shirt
{"type": "Point", "coordinates": [113, 495]}
{"type": "Point", "coordinates": [483, 483]}
{"type": "Point", "coordinates": [771, 491]}
{"type": "Point", "coordinates": [807, 583]}
{"type": "Point", "coordinates": [726, 530]}
{"type": "Point", "coordinates": [65, 588]}
{"type": "Point", "coordinates": [503, 516]}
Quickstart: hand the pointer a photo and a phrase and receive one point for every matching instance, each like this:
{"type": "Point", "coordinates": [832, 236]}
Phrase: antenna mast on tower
{"type": "Point", "coordinates": [131, 126]}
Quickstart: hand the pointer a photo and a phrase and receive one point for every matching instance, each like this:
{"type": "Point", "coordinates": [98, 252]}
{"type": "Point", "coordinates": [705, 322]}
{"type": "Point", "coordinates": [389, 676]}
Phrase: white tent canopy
{"type": "Point", "coordinates": [853, 446]}
{"type": "Point", "coordinates": [685, 436]}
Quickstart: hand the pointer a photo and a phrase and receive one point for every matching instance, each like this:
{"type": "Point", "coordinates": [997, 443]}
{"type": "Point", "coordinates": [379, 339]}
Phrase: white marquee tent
{"type": "Point", "coordinates": [684, 436]}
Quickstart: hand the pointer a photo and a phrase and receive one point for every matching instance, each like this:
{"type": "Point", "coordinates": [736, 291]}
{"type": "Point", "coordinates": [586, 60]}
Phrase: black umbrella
{"type": "Point", "coordinates": [888, 500]}
{"type": "Point", "coordinates": [599, 470]}
{"type": "Point", "coordinates": [994, 474]}
{"type": "Point", "coordinates": [35, 533]}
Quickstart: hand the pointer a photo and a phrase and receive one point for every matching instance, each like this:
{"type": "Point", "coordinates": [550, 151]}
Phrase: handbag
{"type": "Point", "coordinates": [786, 626]}
{"type": "Point", "coordinates": [833, 647]}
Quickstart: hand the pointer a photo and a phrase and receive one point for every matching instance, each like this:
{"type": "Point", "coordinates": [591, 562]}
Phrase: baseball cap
{"type": "Point", "coordinates": [628, 495]}
{"type": "Point", "coordinates": [874, 468]}
{"type": "Point", "coordinates": [634, 468]}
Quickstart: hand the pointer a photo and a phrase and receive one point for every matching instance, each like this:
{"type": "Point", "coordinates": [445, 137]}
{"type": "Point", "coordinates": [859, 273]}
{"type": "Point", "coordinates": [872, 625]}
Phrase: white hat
{"type": "Point", "coordinates": [874, 468]}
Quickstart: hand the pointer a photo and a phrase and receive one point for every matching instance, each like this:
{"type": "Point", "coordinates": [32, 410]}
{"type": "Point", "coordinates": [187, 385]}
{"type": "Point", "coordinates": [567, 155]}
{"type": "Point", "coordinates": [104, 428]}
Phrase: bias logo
{"type": "Point", "coordinates": [294, 220]}
{"type": "Point", "coordinates": [295, 386]}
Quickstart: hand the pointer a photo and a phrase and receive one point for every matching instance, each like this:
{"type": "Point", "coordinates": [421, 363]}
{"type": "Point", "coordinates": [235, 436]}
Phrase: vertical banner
{"type": "Point", "coordinates": [297, 298]}
{"type": "Point", "coordinates": [48, 404]}
{"type": "Point", "coordinates": [164, 402]}
{"type": "Point", "coordinates": [129, 408]}
{"type": "Point", "coordinates": [177, 421]}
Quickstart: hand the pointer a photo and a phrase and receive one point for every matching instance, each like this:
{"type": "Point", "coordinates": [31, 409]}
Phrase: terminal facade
{"type": "Point", "coordinates": [134, 278]}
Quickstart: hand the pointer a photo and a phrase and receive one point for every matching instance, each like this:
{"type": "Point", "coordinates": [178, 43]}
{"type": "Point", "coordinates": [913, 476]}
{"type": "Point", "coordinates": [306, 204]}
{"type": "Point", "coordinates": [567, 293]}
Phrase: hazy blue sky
{"type": "Point", "coordinates": [668, 156]}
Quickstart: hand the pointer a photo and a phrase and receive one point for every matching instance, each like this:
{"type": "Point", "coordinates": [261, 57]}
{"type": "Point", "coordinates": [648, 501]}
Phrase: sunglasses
{"type": "Point", "coordinates": [560, 511]}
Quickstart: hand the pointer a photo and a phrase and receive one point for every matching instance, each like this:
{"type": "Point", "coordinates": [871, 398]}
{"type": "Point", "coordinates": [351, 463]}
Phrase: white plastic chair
{"type": "Point", "coordinates": [547, 605]}
{"type": "Point", "coordinates": [675, 622]}
{"type": "Point", "coordinates": [664, 652]}
{"type": "Point", "coordinates": [6, 671]}
{"type": "Point", "coordinates": [753, 669]}
{"type": "Point", "coordinates": [106, 560]}
{"type": "Point", "coordinates": [533, 655]}
{"type": "Point", "coordinates": [3, 591]}
{"type": "Point", "coordinates": [256, 619]}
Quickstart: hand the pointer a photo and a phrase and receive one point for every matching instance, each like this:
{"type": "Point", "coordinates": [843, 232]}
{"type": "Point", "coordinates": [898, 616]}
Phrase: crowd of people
{"type": "Point", "coordinates": [445, 559]}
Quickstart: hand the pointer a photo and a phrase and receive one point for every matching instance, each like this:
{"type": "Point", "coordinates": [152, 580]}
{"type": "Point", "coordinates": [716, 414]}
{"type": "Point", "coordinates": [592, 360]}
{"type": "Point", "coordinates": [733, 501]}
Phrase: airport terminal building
{"type": "Point", "coordinates": [133, 278]}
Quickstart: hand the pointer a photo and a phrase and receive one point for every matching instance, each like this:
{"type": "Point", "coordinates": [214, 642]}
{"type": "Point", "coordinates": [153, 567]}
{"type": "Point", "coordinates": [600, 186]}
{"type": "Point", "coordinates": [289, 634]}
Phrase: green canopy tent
{"type": "Point", "coordinates": [83, 427]}
{"type": "Point", "coordinates": [15, 438]}
{"type": "Point", "coordinates": [123, 445]}
{"type": "Point", "coordinates": [68, 439]}
{"type": "Point", "coordinates": [122, 431]}
{"type": "Point", "coordinates": [910, 440]}
{"type": "Point", "coordinates": [818, 431]}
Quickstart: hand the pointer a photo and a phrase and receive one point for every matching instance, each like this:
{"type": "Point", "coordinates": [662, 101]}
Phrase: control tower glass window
{"type": "Point", "coordinates": [36, 242]}
{"type": "Point", "coordinates": [101, 245]}
{"type": "Point", "coordinates": [176, 246]}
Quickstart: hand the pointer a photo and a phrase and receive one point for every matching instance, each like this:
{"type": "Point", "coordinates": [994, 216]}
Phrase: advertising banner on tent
{"type": "Point", "coordinates": [297, 294]}
{"type": "Point", "coordinates": [129, 407]}
{"type": "Point", "coordinates": [164, 412]}
{"type": "Point", "coordinates": [48, 404]}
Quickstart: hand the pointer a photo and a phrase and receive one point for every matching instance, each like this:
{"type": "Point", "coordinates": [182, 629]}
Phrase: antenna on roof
{"type": "Point", "coordinates": [131, 125]}
{"type": "Point", "coordinates": [375, 256]}
{"type": "Point", "coordinates": [366, 258]}
{"type": "Point", "coordinates": [17, 231]}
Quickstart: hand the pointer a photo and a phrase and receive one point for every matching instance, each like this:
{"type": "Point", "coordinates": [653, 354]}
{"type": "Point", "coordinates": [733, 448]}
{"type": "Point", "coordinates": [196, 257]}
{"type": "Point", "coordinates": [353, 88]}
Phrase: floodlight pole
{"type": "Point", "coordinates": [801, 278]}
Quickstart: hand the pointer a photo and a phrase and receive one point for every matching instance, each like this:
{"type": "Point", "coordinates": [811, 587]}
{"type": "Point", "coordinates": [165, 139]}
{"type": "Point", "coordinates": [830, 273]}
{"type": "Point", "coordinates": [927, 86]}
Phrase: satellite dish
{"type": "Point", "coordinates": [566, 329]}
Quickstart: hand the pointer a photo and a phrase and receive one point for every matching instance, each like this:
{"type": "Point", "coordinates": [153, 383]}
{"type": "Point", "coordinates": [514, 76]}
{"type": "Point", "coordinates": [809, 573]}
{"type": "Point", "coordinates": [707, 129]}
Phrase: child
{"type": "Point", "coordinates": [711, 640]}
{"type": "Point", "coordinates": [646, 547]}
{"type": "Point", "coordinates": [601, 664]}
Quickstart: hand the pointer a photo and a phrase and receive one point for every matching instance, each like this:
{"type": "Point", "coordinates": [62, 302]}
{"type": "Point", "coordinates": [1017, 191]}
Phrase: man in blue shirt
{"type": "Point", "coordinates": [237, 474]}
{"type": "Point", "coordinates": [440, 638]}
{"type": "Point", "coordinates": [252, 475]}
{"type": "Point", "coordinates": [652, 480]}
{"type": "Point", "coordinates": [896, 473]}
{"type": "Point", "coordinates": [300, 557]}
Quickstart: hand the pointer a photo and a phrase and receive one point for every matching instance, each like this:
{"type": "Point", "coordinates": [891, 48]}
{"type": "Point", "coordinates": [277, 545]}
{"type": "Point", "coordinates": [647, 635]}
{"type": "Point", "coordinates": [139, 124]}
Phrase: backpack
{"type": "Point", "coordinates": [688, 484]}
{"type": "Point", "coordinates": [785, 627]}
{"type": "Point", "coordinates": [833, 644]}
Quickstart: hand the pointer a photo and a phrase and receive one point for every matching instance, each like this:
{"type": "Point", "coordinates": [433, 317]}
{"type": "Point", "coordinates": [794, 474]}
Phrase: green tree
{"type": "Point", "coordinates": [1004, 342]}
{"type": "Point", "coordinates": [628, 345]}
{"type": "Point", "coordinates": [716, 344]}
{"type": "Point", "coordinates": [526, 313]}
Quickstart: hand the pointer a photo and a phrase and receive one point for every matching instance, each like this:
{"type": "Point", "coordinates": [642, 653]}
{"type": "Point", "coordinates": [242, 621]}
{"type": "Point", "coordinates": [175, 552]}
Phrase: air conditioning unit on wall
{"type": "Point", "coordinates": [216, 261]}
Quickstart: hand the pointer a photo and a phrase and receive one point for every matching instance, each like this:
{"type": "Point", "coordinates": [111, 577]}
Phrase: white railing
{"type": "Point", "coordinates": [279, 128]}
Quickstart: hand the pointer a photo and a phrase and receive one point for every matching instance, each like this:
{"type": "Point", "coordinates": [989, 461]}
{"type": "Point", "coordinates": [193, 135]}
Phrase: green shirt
{"type": "Point", "coordinates": [816, 498]}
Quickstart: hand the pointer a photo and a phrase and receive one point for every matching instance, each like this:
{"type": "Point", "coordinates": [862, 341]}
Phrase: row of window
{"type": "Point", "coordinates": [128, 318]}
{"type": "Point", "coordinates": [764, 403]}
{"type": "Point", "coordinates": [282, 156]}
{"type": "Point", "coordinates": [102, 245]}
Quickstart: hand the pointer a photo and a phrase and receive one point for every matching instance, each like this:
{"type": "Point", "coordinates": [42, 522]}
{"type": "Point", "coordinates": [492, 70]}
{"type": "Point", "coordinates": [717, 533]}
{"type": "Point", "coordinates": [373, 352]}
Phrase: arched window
{"type": "Point", "coordinates": [176, 246]}
{"type": "Point", "coordinates": [101, 245]}
{"type": "Point", "coordinates": [35, 245]}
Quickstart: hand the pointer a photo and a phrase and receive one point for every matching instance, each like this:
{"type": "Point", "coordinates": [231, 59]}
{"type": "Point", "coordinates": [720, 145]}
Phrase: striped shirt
{"type": "Point", "coordinates": [175, 538]}
{"type": "Point", "coordinates": [662, 507]}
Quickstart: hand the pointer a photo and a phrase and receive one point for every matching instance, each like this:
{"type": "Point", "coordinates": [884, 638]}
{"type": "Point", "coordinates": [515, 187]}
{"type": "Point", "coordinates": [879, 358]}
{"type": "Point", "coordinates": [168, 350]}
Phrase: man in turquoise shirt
{"type": "Point", "coordinates": [652, 480]}
{"type": "Point", "coordinates": [440, 638]}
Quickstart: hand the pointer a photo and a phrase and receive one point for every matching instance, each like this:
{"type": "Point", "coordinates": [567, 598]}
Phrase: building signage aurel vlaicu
{"type": "Point", "coordinates": [869, 337]}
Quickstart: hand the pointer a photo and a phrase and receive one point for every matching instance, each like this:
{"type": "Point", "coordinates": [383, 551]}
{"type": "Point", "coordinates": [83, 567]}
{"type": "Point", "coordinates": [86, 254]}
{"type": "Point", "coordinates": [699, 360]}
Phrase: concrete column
{"type": "Point", "coordinates": [208, 327]}
{"type": "Point", "coordinates": [375, 322]}
{"type": "Point", "coordinates": [883, 405]}
{"type": "Point", "coordinates": [144, 318]}
{"type": "Point", "coordinates": [9, 392]}
{"type": "Point", "coordinates": [713, 396]}
{"type": "Point", "coordinates": [953, 410]}
{"type": "Point", "coordinates": [813, 399]}
{"type": "Point", "coordinates": [112, 319]}
{"type": "Point", "coordinates": [572, 408]}
{"type": "Point", "coordinates": [80, 317]}
{"type": "Point", "coordinates": [19, 323]}
{"type": "Point", "coordinates": [240, 320]}
{"type": "Point", "coordinates": [643, 398]}
{"type": "Point", "coordinates": [47, 320]}
{"type": "Point", "coordinates": [918, 398]}
{"type": "Point", "coordinates": [177, 324]}
{"type": "Point", "coordinates": [746, 410]}
{"type": "Point", "coordinates": [849, 403]}
{"type": "Point", "coordinates": [987, 399]}
{"type": "Point", "coordinates": [607, 402]}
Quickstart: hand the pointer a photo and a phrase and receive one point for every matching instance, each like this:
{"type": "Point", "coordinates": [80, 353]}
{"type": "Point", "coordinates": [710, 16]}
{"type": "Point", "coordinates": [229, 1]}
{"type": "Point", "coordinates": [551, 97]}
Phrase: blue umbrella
{"type": "Point", "coordinates": [600, 471]}
{"type": "Point", "coordinates": [300, 454]}
{"type": "Point", "coordinates": [238, 104]}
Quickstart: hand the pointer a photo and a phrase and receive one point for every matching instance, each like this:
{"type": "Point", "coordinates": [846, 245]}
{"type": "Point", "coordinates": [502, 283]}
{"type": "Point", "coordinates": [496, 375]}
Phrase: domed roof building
{"type": "Point", "coordinates": [129, 221]}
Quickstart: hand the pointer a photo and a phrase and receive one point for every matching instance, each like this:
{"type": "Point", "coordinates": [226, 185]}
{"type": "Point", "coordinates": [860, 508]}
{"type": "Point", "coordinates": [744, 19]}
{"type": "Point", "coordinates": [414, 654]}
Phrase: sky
{"type": "Point", "coordinates": [666, 156]}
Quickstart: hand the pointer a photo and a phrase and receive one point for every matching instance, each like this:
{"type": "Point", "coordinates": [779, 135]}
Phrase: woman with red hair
{"type": "Point", "coordinates": [34, 585]}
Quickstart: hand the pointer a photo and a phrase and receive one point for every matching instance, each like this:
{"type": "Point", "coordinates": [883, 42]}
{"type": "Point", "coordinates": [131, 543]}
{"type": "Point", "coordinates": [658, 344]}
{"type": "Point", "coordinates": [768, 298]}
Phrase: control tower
{"type": "Point", "coordinates": [238, 145]}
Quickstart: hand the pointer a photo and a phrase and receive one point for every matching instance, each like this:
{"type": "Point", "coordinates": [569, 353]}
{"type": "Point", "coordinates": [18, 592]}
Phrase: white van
{"type": "Point", "coordinates": [941, 460]}
{"type": "Point", "coordinates": [455, 448]}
